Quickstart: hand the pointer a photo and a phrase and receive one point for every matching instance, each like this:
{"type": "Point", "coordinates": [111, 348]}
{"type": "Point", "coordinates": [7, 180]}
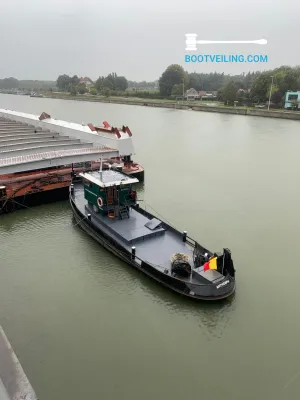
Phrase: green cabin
{"type": "Point", "coordinates": [110, 192]}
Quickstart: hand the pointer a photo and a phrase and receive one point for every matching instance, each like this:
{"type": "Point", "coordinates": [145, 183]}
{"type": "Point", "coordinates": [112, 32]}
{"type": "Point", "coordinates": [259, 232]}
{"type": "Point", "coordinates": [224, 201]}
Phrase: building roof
{"type": "Point", "coordinates": [192, 91]}
{"type": "Point", "coordinates": [108, 178]}
{"type": "Point", "coordinates": [29, 131]}
{"type": "Point", "coordinates": [85, 80]}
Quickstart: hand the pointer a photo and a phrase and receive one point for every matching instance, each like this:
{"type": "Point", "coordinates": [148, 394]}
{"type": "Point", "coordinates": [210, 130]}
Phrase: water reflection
{"type": "Point", "coordinates": [120, 278]}
{"type": "Point", "coordinates": [212, 317]}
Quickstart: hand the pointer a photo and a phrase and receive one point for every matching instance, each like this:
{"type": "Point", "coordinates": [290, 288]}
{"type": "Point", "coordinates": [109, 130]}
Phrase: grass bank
{"type": "Point", "coordinates": [186, 105]}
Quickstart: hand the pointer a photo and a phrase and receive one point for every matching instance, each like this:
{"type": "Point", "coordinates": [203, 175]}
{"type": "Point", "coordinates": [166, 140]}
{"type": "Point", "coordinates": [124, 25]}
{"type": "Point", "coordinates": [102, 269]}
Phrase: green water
{"type": "Point", "coordinates": [85, 325]}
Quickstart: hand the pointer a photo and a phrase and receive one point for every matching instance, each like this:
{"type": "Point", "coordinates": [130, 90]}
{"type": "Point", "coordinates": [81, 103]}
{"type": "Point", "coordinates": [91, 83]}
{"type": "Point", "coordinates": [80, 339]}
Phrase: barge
{"type": "Point", "coordinates": [105, 206]}
{"type": "Point", "coordinates": [40, 155]}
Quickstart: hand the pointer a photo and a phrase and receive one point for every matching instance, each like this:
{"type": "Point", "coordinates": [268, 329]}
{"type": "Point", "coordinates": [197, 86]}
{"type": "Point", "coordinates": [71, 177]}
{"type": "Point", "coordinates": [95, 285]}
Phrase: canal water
{"type": "Point", "coordinates": [85, 325]}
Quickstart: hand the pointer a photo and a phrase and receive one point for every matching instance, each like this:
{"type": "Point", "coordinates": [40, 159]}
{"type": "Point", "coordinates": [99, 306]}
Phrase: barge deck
{"type": "Point", "coordinates": [40, 155]}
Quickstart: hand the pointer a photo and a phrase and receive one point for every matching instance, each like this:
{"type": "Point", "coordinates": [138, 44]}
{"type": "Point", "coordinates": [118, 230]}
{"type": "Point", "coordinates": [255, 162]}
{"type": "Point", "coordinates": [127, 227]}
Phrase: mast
{"type": "Point", "coordinates": [100, 170]}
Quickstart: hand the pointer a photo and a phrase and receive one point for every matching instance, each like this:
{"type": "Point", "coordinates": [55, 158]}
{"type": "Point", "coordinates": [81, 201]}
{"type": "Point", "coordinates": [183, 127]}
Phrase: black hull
{"type": "Point", "coordinates": [139, 175]}
{"type": "Point", "coordinates": [175, 284]}
{"type": "Point", "coordinates": [34, 199]}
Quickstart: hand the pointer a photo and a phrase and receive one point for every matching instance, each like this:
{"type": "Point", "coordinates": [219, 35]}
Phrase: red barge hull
{"type": "Point", "coordinates": [52, 184]}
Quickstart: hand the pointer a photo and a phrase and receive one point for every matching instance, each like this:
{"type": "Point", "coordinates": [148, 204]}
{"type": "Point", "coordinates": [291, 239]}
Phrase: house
{"type": "Point", "coordinates": [192, 94]}
{"type": "Point", "coordinates": [86, 81]}
{"type": "Point", "coordinates": [209, 96]}
{"type": "Point", "coordinates": [291, 98]}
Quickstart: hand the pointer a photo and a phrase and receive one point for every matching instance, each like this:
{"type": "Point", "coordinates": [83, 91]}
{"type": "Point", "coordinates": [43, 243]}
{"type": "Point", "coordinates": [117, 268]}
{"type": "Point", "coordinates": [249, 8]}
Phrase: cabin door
{"type": "Point", "coordinates": [112, 195]}
{"type": "Point", "coordinates": [109, 196]}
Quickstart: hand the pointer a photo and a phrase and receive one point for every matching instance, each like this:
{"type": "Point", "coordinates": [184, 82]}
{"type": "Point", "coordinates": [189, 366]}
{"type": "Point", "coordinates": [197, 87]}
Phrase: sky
{"type": "Point", "coordinates": [41, 39]}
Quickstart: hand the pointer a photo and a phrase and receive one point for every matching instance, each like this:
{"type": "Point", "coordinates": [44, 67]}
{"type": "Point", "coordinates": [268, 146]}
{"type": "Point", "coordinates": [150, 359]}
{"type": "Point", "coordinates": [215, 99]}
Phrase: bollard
{"type": "Point", "coordinates": [184, 236]}
{"type": "Point", "coordinates": [72, 188]}
{"type": "Point", "coordinates": [89, 217]}
{"type": "Point", "coordinates": [137, 206]}
{"type": "Point", "coordinates": [133, 253]}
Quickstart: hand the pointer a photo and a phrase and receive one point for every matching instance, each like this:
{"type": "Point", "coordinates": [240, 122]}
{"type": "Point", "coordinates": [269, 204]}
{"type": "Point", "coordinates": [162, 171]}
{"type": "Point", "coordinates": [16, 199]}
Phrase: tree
{"type": "Point", "coordinates": [121, 83]}
{"type": "Point", "coordinates": [112, 78]}
{"type": "Point", "coordinates": [9, 83]}
{"type": "Point", "coordinates": [260, 87]}
{"type": "Point", "coordinates": [290, 81]}
{"type": "Point", "coordinates": [104, 83]}
{"type": "Point", "coordinates": [294, 104]}
{"type": "Point", "coordinates": [220, 94]}
{"type": "Point", "coordinates": [275, 89]}
{"type": "Point", "coordinates": [73, 90]}
{"type": "Point", "coordinates": [99, 83]}
{"type": "Point", "coordinates": [177, 90]}
{"type": "Point", "coordinates": [107, 84]}
{"type": "Point", "coordinates": [74, 80]}
{"type": "Point", "coordinates": [276, 97]}
{"type": "Point", "coordinates": [63, 82]}
{"type": "Point", "coordinates": [230, 92]}
{"type": "Point", "coordinates": [173, 75]}
{"type": "Point", "coordinates": [93, 91]}
{"type": "Point", "coordinates": [112, 82]}
{"type": "Point", "coordinates": [195, 81]}
{"type": "Point", "coordinates": [82, 88]}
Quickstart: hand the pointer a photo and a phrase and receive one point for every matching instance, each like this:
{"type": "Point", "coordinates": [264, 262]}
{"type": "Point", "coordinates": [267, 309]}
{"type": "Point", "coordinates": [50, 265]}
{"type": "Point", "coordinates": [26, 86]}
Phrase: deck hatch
{"type": "Point", "coordinates": [154, 223]}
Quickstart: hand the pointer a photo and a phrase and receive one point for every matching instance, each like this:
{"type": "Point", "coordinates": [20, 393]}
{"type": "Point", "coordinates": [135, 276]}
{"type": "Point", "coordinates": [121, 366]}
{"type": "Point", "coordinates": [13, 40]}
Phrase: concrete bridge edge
{"type": "Point", "coordinates": [14, 384]}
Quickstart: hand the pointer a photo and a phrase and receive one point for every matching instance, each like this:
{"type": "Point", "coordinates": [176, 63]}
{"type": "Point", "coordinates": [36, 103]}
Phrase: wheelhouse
{"type": "Point", "coordinates": [110, 192]}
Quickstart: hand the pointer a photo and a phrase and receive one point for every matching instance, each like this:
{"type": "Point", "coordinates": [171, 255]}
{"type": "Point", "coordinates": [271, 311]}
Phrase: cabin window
{"type": "Point", "coordinates": [293, 97]}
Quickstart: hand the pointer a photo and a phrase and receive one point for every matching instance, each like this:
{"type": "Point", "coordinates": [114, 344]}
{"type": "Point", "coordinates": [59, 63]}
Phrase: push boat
{"type": "Point", "coordinates": [105, 206]}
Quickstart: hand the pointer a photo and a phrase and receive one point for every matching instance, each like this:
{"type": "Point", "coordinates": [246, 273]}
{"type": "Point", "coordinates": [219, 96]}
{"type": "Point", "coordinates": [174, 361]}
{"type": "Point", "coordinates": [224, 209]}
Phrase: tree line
{"type": "Point", "coordinates": [13, 83]}
{"type": "Point", "coordinates": [112, 82]}
{"type": "Point", "coordinates": [248, 88]}
{"type": "Point", "coordinates": [253, 87]}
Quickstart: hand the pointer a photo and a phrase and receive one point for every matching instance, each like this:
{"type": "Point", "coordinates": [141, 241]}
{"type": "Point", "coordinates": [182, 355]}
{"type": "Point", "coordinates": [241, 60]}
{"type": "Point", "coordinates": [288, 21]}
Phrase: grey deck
{"type": "Point", "coordinates": [153, 244]}
{"type": "Point", "coordinates": [158, 245]}
{"type": "Point", "coordinates": [132, 230]}
{"type": "Point", "coordinates": [211, 275]}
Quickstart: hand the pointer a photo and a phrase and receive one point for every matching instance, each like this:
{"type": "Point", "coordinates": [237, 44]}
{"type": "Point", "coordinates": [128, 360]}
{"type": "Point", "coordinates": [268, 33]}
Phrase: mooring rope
{"type": "Point", "coordinates": [31, 208]}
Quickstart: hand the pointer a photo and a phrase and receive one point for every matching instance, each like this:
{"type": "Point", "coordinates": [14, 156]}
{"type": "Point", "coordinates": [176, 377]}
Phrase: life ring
{"type": "Point", "coordinates": [100, 202]}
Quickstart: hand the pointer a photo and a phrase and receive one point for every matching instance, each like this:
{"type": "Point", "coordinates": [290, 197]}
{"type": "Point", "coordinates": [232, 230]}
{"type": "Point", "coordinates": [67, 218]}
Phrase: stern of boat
{"type": "Point", "coordinates": [218, 272]}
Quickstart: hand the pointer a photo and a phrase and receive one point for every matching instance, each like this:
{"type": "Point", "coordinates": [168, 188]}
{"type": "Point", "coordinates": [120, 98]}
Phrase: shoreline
{"type": "Point", "coordinates": [291, 115]}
